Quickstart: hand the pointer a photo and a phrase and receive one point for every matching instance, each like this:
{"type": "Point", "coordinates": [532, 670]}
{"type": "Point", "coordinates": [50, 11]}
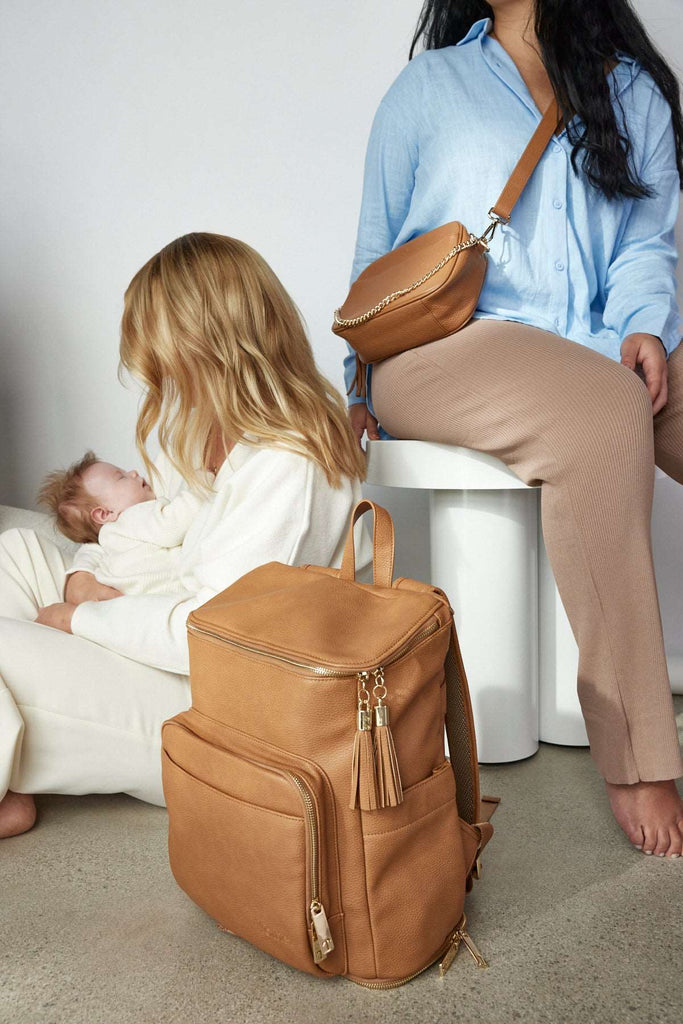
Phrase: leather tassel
{"type": "Point", "coordinates": [389, 788]}
{"type": "Point", "coordinates": [361, 371]}
{"type": "Point", "coordinates": [363, 780]}
{"type": "Point", "coordinates": [359, 379]}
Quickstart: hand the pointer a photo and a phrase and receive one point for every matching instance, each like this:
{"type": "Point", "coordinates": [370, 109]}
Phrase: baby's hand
{"type": "Point", "coordinates": [82, 586]}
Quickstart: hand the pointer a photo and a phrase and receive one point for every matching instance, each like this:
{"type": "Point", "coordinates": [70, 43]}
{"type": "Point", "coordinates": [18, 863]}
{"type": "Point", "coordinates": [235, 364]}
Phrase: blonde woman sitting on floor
{"type": "Point", "coordinates": [87, 676]}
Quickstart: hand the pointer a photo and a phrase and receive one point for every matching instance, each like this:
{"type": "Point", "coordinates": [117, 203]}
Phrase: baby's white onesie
{"type": "Point", "coordinates": [139, 553]}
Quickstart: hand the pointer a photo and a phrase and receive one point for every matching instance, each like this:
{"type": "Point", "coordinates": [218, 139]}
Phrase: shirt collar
{"type": "Point", "coordinates": [484, 25]}
{"type": "Point", "coordinates": [482, 28]}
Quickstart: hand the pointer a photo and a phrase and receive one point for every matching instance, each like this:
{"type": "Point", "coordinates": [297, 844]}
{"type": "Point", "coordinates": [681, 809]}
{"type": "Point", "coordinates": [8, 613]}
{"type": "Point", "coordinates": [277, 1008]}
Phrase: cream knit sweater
{"type": "Point", "coordinates": [139, 552]}
{"type": "Point", "coordinates": [268, 505]}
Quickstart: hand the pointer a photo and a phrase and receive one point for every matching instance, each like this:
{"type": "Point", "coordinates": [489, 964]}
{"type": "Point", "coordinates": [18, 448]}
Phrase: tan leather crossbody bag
{"type": "Point", "coordinates": [428, 287]}
{"type": "Point", "coordinates": [312, 808]}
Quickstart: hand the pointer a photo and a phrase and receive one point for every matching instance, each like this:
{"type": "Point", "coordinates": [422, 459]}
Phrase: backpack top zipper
{"type": "Point", "coordinates": [319, 670]}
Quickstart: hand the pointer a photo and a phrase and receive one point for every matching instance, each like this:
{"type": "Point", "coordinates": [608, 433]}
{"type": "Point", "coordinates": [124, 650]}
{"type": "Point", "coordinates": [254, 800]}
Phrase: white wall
{"type": "Point", "coordinates": [129, 122]}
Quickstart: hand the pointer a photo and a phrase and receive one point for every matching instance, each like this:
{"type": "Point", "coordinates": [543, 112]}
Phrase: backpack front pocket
{"type": "Point", "coordinates": [414, 858]}
{"type": "Point", "coordinates": [225, 812]}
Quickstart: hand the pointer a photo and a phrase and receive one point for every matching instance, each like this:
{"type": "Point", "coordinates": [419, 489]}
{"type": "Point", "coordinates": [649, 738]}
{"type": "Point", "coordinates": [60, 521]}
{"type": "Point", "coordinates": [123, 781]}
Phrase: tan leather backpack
{"type": "Point", "coordinates": [312, 809]}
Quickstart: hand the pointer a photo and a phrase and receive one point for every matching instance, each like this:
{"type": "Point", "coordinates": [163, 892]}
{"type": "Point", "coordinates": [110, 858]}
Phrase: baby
{"type": "Point", "coordinates": [137, 536]}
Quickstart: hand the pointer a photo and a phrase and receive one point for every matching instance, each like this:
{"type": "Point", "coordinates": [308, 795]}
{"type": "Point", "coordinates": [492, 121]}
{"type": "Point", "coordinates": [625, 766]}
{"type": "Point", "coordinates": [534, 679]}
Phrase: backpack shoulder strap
{"type": "Point", "coordinates": [473, 808]}
{"type": "Point", "coordinates": [462, 744]}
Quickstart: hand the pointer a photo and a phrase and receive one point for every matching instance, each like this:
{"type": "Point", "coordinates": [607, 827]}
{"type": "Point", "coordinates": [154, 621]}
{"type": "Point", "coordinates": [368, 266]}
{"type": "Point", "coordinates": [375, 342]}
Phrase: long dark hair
{"type": "Point", "coordinates": [575, 38]}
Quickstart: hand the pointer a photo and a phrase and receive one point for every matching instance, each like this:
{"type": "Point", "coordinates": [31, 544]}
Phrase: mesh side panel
{"type": "Point", "coordinates": [459, 745]}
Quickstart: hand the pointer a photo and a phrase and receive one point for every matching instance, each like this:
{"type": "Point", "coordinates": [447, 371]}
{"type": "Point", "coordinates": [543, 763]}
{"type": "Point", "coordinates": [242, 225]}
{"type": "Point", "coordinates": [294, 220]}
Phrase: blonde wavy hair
{"type": "Point", "coordinates": [221, 349]}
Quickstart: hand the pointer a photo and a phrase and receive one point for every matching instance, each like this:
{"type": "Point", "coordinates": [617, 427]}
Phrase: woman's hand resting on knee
{"type": "Point", "coordinates": [56, 615]}
{"type": "Point", "coordinates": [361, 421]}
{"type": "Point", "coordinates": [648, 350]}
{"type": "Point", "coordinates": [80, 586]}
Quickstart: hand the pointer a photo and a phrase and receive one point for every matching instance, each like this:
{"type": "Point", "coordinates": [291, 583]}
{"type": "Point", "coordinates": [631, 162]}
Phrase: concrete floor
{"type": "Point", "coordinates": [576, 925]}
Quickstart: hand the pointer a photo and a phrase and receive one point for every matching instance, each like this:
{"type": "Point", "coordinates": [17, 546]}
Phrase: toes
{"type": "Point", "coordinates": [663, 841]}
{"type": "Point", "coordinates": [635, 834]}
{"type": "Point", "coordinates": [676, 843]}
{"type": "Point", "coordinates": [649, 839]}
{"type": "Point", "coordinates": [677, 840]}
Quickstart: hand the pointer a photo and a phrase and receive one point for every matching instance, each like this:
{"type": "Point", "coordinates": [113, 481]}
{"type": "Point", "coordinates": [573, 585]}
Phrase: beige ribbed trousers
{"type": "Point", "coordinates": [580, 425]}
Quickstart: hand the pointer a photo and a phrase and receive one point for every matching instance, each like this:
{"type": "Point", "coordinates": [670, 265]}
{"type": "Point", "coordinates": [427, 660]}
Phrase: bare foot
{"type": "Point", "coordinates": [17, 814]}
{"type": "Point", "coordinates": [651, 815]}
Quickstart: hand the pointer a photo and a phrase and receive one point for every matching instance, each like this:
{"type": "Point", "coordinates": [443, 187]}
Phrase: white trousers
{"type": "Point", "coordinates": [74, 716]}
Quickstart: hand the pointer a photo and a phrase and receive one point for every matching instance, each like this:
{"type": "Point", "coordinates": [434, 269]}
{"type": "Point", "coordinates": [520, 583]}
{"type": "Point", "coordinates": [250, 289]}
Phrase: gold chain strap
{"type": "Point", "coordinates": [472, 240]}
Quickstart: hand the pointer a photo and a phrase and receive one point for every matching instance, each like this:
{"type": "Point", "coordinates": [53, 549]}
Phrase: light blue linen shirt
{"type": "Point", "coordinates": [443, 143]}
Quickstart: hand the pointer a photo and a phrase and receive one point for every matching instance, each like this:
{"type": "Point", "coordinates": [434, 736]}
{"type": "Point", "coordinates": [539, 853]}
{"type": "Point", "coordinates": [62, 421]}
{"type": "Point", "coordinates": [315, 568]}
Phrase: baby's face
{"type": "Point", "coordinates": [114, 489]}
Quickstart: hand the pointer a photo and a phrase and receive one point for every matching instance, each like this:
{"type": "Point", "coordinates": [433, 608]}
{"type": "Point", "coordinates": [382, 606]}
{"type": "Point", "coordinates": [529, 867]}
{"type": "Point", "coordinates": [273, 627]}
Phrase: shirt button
{"type": "Point", "coordinates": [557, 321]}
{"type": "Point", "coordinates": [559, 265]}
{"type": "Point", "coordinates": [557, 203]}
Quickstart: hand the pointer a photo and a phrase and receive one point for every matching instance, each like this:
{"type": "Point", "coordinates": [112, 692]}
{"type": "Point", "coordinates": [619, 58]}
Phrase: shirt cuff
{"type": "Point", "coordinates": [83, 623]}
{"type": "Point", "coordinates": [655, 322]}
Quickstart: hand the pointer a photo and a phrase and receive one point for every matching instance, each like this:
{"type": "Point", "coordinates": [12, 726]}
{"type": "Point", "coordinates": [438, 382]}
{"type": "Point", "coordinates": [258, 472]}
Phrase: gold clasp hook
{"type": "Point", "coordinates": [495, 219]}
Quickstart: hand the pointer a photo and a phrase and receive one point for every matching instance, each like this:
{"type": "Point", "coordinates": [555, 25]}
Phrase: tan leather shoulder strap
{"type": "Point", "coordinates": [462, 744]}
{"type": "Point", "coordinates": [528, 160]}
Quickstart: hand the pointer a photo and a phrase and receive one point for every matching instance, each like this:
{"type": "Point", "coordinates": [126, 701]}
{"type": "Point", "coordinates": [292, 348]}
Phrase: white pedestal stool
{"type": "Point", "coordinates": [488, 555]}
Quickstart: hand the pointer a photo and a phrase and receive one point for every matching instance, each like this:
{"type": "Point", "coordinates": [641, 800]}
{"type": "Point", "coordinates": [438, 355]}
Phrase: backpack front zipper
{"type": "Point", "coordinates": [322, 943]}
{"type": "Point", "coordinates": [320, 936]}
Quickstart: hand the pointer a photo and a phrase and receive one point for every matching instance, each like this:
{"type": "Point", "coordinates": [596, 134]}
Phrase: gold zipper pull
{"type": "Point", "coordinates": [478, 958]}
{"type": "Point", "coordinates": [461, 935]}
{"type": "Point", "coordinates": [315, 947]}
{"type": "Point", "coordinates": [450, 954]}
{"type": "Point", "coordinates": [322, 940]}
{"type": "Point", "coordinates": [389, 788]}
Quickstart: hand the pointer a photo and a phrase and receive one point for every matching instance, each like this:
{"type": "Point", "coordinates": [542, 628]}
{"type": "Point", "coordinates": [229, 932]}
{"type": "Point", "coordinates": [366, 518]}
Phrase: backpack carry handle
{"type": "Point", "coordinates": [382, 545]}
